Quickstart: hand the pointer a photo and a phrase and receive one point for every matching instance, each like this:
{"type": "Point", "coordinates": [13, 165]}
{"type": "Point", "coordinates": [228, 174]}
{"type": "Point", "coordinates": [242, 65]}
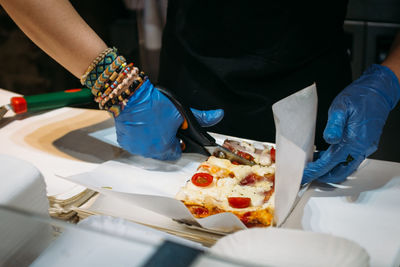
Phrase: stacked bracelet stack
{"type": "Point", "coordinates": [112, 81]}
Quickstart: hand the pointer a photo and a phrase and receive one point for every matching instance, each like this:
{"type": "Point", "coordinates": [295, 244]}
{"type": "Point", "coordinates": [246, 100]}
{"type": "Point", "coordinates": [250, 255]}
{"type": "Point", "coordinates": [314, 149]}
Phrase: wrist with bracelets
{"type": "Point", "coordinates": [112, 80]}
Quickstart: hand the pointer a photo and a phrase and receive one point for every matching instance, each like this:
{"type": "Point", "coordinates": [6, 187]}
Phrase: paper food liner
{"type": "Point", "coordinates": [153, 184]}
{"type": "Point", "coordinates": [295, 117]}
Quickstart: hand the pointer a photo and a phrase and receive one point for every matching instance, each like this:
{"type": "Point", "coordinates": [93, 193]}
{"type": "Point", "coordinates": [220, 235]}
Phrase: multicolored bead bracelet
{"type": "Point", "coordinates": [94, 63]}
{"type": "Point", "coordinates": [100, 68]}
{"type": "Point", "coordinates": [112, 81]}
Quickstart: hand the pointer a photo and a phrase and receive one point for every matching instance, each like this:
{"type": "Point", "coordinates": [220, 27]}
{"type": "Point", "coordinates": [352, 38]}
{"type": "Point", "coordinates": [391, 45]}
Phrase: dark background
{"type": "Point", "coordinates": [370, 28]}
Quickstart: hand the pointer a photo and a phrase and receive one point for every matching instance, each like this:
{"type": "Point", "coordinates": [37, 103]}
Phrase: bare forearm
{"type": "Point", "coordinates": [57, 28]}
{"type": "Point", "coordinates": [393, 59]}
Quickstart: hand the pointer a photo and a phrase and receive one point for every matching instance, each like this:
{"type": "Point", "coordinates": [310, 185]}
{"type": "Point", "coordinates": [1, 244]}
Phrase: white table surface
{"type": "Point", "coordinates": [30, 138]}
{"type": "Point", "coordinates": [365, 209]}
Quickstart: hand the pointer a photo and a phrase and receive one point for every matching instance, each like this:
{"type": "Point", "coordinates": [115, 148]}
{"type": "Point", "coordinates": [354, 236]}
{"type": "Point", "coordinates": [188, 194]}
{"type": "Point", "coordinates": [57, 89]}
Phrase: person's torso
{"type": "Point", "coordinates": [245, 55]}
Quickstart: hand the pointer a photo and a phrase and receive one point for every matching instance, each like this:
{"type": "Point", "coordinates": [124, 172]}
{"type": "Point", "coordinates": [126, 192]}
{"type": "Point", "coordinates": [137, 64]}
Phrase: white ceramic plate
{"type": "Point", "coordinates": [286, 247]}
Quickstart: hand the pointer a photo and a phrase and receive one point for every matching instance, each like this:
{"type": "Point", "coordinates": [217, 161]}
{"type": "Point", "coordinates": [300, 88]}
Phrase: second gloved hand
{"type": "Point", "coordinates": [149, 123]}
{"type": "Point", "coordinates": [355, 122]}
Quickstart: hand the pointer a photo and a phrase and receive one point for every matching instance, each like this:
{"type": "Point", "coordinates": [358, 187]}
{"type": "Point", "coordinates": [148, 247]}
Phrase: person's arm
{"type": "Point", "coordinates": [146, 121]}
{"type": "Point", "coordinates": [57, 29]}
{"type": "Point", "coordinates": [356, 119]}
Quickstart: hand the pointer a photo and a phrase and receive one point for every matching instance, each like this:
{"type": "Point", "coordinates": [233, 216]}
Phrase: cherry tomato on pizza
{"type": "Point", "coordinates": [202, 179]}
{"type": "Point", "coordinates": [239, 202]}
{"type": "Point", "coordinates": [250, 179]}
{"type": "Point", "coordinates": [272, 154]}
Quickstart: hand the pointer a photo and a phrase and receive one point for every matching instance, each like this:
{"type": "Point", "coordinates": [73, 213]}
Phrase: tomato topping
{"type": "Point", "coordinates": [270, 177]}
{"type": "Point", "coordinates": [245, 217]}
{"type": "Point", "coordinates": [235, 163]}
{"type": "Point", "coordinates": [198, 211]}
{"type": "Point", "coordinates": [251, 179]}
{"type": "Point", "coordinates": [202, 179]}
{"type": "Point", "coordinates": [245, 155]}
{"type": "Point", "coordinates": [239, 202]}
{"type": "Point", "coordinates": [272, 154]}
{"type": "Point", "coordinates": [268, 194]}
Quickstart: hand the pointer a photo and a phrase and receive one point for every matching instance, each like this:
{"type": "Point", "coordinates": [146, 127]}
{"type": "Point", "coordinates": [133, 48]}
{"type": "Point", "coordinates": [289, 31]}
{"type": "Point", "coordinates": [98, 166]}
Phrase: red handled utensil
{"type": "Point", "coordinates": [71, 97]}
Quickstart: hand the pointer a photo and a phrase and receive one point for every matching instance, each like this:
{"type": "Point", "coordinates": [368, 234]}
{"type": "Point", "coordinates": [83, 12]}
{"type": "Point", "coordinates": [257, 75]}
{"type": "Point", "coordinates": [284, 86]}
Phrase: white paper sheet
{"type": "Point", "coordinates": [154, 189]}
{"type": "Point", "coordinates": [153, 184]}
{"type": "Point", "coordinates": [295, 118]}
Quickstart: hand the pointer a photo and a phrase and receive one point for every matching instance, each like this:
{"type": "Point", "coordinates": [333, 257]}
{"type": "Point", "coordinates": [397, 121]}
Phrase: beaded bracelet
{"type": "Point", "coordinates": [110, 69]}
{"type": "Point", "coordinates": [117, 81]}
{"type": "Point", "coordinates": [125, 83]}
{"type": "Point", "coordinates": [95, 62]}
{"type": "Point", "coordinates": [109, 81]}
{"type": "Point", "coordinates": [115, 94]}
{"type": "Point", "coordinates": [112, 90]}
{"type": "Point", "coordinates": [112, 81]}
{"type": "Point", "coordinates": [100, 68]}
{"type": "Point", "coordinates": [123, 99]}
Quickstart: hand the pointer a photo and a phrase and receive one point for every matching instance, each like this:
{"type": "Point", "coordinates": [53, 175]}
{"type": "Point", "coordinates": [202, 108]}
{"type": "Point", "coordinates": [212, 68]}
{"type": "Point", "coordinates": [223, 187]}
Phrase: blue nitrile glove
{"type": "Point", "coordinates": [149, 123]}
{"type": "Point", "coordinates": [355, 122]}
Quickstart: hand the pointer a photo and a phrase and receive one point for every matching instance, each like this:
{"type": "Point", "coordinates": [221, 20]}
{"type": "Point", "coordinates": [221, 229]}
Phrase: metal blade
{"type": "Point", "coordinates": [223, 153]}
{"type": "Point", "coordinates": [3, 110]}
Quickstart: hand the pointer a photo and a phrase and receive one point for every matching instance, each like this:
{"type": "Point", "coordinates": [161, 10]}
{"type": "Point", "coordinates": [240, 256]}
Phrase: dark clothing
{"type": "Point", "coordinates": [243, 56]}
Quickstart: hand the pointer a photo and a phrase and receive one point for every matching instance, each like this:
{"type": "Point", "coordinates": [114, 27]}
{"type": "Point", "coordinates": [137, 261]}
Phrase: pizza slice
{"type": "Point", "coordinates": [220, 185]}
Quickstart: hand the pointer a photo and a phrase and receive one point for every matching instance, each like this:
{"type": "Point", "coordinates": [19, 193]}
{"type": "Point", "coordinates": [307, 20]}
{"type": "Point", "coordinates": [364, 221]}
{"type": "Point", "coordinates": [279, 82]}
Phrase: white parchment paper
{"type": "Point", "coordinates": [295, 117]}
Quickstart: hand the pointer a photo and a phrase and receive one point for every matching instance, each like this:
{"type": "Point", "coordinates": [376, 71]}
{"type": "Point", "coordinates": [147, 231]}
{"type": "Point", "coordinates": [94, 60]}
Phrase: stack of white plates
{"type": "Point", "coordinates": [22, 187]}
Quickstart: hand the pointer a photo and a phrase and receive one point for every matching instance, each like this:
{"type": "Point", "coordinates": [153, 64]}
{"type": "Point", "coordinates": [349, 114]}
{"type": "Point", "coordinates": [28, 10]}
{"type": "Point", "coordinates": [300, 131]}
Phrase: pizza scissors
{"type": "Point", "coordinates": [195, 139]}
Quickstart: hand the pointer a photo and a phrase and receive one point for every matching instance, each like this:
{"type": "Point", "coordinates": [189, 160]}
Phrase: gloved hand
{"type": "Point", "coordinates": [149, 123]}
{"type": "Point", "coordinates": [355, 121]}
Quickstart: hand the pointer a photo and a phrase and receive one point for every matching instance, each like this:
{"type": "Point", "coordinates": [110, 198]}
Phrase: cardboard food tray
{"type": "Point", "coordinates": [152, 184]}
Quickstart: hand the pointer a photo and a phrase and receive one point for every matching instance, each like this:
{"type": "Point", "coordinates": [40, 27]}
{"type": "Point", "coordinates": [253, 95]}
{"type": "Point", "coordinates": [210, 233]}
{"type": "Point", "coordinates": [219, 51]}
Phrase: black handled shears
{"type": "Point", "coordinates": [193, 137]}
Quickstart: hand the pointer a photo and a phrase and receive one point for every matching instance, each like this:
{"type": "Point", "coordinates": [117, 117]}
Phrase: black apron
{"type": "Point", "coordinates": [243, 56]}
